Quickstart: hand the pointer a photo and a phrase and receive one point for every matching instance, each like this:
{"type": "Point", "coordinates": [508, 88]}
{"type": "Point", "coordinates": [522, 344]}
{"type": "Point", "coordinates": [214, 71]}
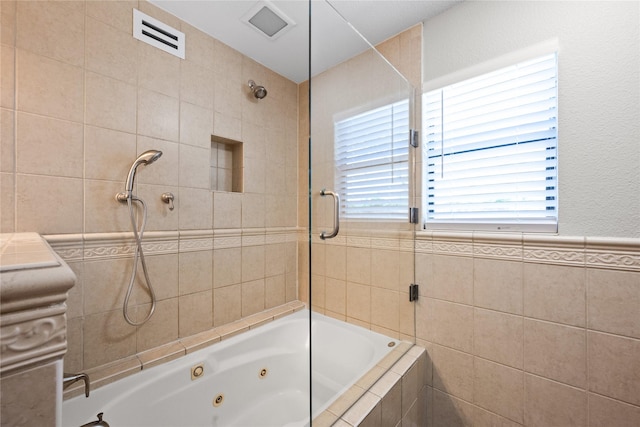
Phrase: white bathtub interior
{"type": "Point", "coordinates": [262, 376]}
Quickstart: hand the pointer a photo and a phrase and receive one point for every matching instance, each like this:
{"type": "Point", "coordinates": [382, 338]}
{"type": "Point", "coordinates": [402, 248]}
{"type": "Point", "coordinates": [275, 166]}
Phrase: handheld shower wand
{"type": "Point", "coordinates": [127, 197]}
{"type": "Point", "coordinates": [145, 158]}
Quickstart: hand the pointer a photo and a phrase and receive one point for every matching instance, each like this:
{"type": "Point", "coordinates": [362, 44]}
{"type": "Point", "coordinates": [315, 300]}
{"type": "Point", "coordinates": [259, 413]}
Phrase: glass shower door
{"type": "Point", "coordinates": [361, 261]}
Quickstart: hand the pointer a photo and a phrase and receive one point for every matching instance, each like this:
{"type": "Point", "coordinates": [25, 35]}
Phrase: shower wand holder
{"type": "Point", "coordinates": [122, 197]}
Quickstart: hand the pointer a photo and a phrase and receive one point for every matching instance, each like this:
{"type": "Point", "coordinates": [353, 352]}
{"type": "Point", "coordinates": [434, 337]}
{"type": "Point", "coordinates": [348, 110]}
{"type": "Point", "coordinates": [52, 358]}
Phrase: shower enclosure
{"type": "Point", "coordinates": [360, 182]}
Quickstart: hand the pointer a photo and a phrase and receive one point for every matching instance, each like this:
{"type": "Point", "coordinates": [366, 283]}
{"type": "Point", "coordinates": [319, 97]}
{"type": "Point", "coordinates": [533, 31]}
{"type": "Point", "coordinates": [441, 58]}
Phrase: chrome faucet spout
{"type": "Point", "coordinates": [69, 379]}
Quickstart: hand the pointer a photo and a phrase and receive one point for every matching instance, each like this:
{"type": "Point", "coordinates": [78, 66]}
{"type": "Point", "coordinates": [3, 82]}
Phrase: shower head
{"type": "Point", "coordinates": [145, 158]}
{"type": "Point", "coordinates": [258, 91]}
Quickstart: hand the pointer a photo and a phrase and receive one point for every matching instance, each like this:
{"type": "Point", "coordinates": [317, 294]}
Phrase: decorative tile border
{"type": "Point", "coordinates": [78, 247]}
{"type": "Point", "coordinates": [611, 253]}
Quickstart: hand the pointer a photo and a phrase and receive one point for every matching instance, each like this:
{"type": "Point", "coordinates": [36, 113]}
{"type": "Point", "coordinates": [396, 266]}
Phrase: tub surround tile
{"type": "Point", "coordinates": [227, 304]}
{"type": "Point", "coordinates": [7, 79]}
{"type": "Point", "coordinates": [548, 403]}
{"type": "Point", "coordinates": [157, 69]}
{"type": "Point", "coordinates": [555, 293]}
{"type": "Point", "coordinates": [106, 374]}
{"type": "Point", "coordinates": [158, 115]}
{"type": "Point", "coordinates": [556, 351]}
{"type": "Point", "coordinates": [445, 323]}
{"type": "Point", "coordinates": [499, 389]}
{"type": "Point", "coordinates": [53, 29]}
{"type": "Point", "coordinates": [161, 354]}
{"type": "Point", "coordinates": [199, 341]}
{"type": "Point", "coordinates": [346, 400]}
{"type": "Point", "coordinates": [107, 337]}
{"type": "Point", "coordinates": [117, 14]}
{"type": "Point", "coordinates": [452, 279]}
{"type": "Point", "coordinates": [108, 153]}
{"type": "Point", "coordinates": [195, 313]}
{"type": "Point", "coordinates": [614, 366]}
{"type": "Point", "coordinates": [101, 211]}
{"type": "Point", "coordinates": [453, 372]}
{"type": "Point", "coordinates": [196, 84]}
{"type": "Point", "coordinates": [110, 103]}
{"type": "Point", "coordinates": [365, 412]}
{"type": "Point", "coordinates": [498, 285]}
{"type": "Point", "coordinates": [232, 329]}
{"type": "Point", "coordinates": [162, 328]}
{"type": "Point", "coordinates": [498, 337]}
{"type": "Point", "coordinates": [449, 411]}
{"type": "Point", "coordinates": [49, 87]}
{"type": "Point", "coordinates": [111, 52]}
{"type": "Point", "coordinates": [604, 412]}
{"type": "Point", "coordinates": [613, 298]}
{"type": "Point", "coordinates": [482, 418]}
{"type": "Point", "coordinates": [7, 203]}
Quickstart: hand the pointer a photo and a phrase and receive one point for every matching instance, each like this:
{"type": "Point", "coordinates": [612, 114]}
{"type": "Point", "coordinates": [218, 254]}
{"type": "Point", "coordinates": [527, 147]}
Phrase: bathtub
{"type": "Point", "coordinates": [257, 378]}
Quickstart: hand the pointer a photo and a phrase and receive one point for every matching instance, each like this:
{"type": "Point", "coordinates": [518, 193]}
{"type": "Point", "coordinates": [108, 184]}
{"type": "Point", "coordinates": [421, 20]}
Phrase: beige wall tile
{"type": "Point", "coordinates": [102, 212]}
{"type": "Point", "coordinates": [196, 125]}
{"type": "Point", "coordinates": [318, 292]}
{"type": "Point", "coordinates": [275, 290]}
{"type": "Point", "coordinates": [49, 87]}
{"type": "Point", "coordinates": [482, 418]}
{"type": "Point", "coordinates": [111, 52]}
{"type": "Point", "coordinates": [555, 351]}
{"type": "Point", "coordinates": [449, 411]}
{"type": "Point", "coordinates": [105, 285]}
{"type": "Point", "coordinates": [227, 267]}
{"type": "Point", "coordinates": [499, 389]}
{"type": "Point", "coordinates": [158, 71]}
{"type": "Point", "coordinates": [336, 295]}
{"type": "Point", "coordinates": [52, 29]}
{"type": "Point", "coordinates": [227, 304]}
{"type": "Point", "coordinates": [385, 310]}
{"type": "Point", "coordinates": [253, 210]}
{"type": "Point", "coordinates": [107, 337]}
{"type": "Point", "coordinates": [75, 296]}
{"type": "Point", "coordinates": [556, 293]}
{"type": "Point", "coordinates": [194, 167]}
{"type": "Point", "coordinates": [253, 263]}
{"type": "Point", "coordinates": [452, 279]}
{"type": "Point", "coordinates": [200, 47]}
{"type": "Point", "coordinates": [7, 141]}
{"type": "Point", "coordinates": [614, 366]}
{"type": "Point", "coordinates": [196, 84]}
{"type": "Point", "coordinates": [159, 216]}
{"type": "Point", "coordinates": [336, 261]}
{"type": "Point", "coordinates": [604, 412]}
{"type": "Point", "coordinates": [252, 297]}
{"type": "Point", "coordinates": [110, 103]}
{"type": "Point", "coordinates": [8, 22]}
{"type": "Point", "coordinates": [227, 126]}
{"type": "Point", "coordinates": [358, 264]}
{"type": "Point", "coordinates": [274, 259]}
{"type": "Point", "coordinates": [613, 299]}
{"type": "Point", "coordinates": [452, 372]}
{"type": "Point", "coordinates": [195, 313]}
{"type": "Point", "coordinates": [36, 197]}
{"type": "Point", "coordinates": [385, 268]}
{"type": "Point", "coordinates": [73, 357]}
{"type": "Point", "coordinates": [549, 403]}
{"type": "Point", "coordinates": [108, 153]}
{"type": "Point", "coordinates": [48, 146]}
{"type": "Point", "coordinates": [117, 14]}
{"type": "Point", "coordinates": [158, 115]}
{"type": "Point", "coordinates": [498, 337]}
{"type": "Point", "coordinates": [161, 329]}
{"type": "Point", "coordinates": [359, 301]}
{"type": "Point", "coordinates": [254, 175]}
{"type": "Point", "coordinates": [195, 209]}
{"type": "Point", "coordinates": [445, 323]}
{"type": "Point", "coordinates": [7, 77]}
{"type": "Point", "coordinates": [165, 171]}
{"type": "Point", "coordinates": [196, 272]}
{"type": "Point", "coordinates": [163, 273]}
{"type": "Point", "coordinates": [7, 203]}
{"type": "Point", "coordinates": [227, 210]}
{"type": "Point", "coordinates": [498, 285]}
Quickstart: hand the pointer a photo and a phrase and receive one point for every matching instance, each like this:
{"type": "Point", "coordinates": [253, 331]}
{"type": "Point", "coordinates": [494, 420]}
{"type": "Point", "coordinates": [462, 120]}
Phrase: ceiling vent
{"type": "Point", "coordinates": [268, 20]}
{"type": "Point", "coordinates": [158, 34]}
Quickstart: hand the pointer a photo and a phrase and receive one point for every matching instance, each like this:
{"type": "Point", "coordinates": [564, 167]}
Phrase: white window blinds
{"type": "Point", "coordinates": [490, 150]}
{"type": "Point", "coordinates": [371, 155]}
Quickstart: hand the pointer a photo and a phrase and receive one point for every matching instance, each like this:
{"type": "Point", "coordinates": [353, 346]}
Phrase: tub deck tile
{"type": "Point", "coordinates": [161, 354]}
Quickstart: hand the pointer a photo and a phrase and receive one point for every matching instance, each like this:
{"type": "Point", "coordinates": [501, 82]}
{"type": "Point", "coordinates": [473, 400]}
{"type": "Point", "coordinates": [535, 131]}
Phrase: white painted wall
{"type": "Point", "coordinates": [599, 94]}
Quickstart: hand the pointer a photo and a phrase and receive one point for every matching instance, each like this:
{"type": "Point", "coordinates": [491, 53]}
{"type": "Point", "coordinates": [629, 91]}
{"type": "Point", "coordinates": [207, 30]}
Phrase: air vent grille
{"type": "Point", "coordinates": [158, 34]}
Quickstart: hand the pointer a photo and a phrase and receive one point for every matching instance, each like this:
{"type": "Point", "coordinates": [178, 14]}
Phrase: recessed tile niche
{"type": "Point", "coordinates": [226, 164]}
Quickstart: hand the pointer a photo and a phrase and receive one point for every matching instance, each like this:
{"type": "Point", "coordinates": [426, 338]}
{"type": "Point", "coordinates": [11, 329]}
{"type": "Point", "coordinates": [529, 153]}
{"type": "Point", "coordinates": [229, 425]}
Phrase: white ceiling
{"type": "Point", "coordinates": [332, 40]}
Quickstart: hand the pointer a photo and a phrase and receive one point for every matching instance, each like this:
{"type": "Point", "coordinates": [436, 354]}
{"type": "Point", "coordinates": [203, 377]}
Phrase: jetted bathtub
{"type": "Point", "coordinates": [257, 378]}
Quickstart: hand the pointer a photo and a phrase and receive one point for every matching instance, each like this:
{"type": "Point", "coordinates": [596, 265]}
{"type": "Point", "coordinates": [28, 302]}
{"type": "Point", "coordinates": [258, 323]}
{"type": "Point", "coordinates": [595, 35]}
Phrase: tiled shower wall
{"type": "Point", "coordinates": [530, 330]}
{"type": "Point", "coordinates": [81, 98]}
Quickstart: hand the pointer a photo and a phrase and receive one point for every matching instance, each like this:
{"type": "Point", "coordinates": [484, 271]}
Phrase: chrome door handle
{"type": "Point", "coordinates": [336, 214]}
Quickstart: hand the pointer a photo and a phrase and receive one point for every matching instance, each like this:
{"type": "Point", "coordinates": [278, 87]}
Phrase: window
{"type": "Point", "coordinates": [490, 148]}
{"type": "Point", "coordinates": [371, 154]}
